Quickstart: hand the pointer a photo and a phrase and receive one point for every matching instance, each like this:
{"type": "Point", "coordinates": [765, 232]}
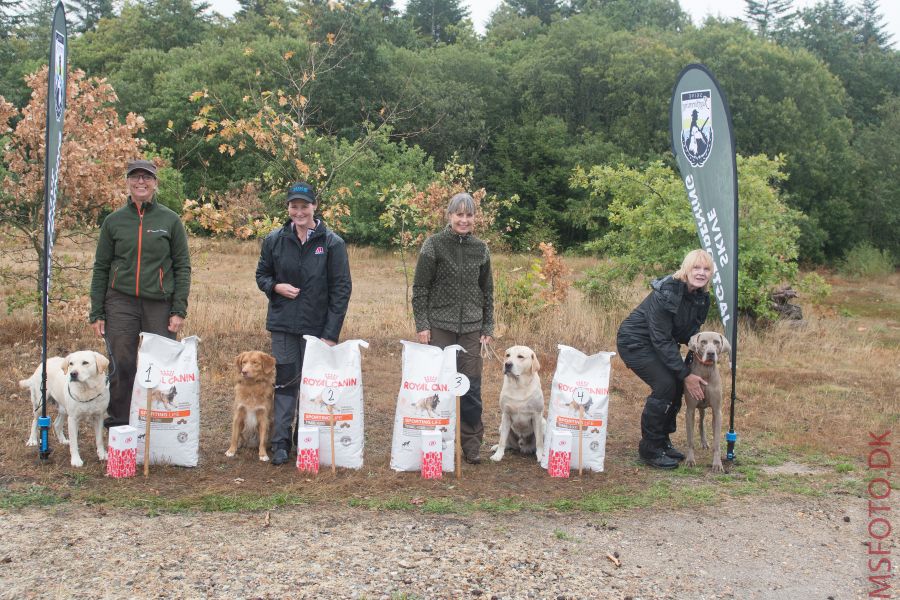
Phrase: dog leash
{"type": "Point", "coordinates": [69, 389]}
{"type": "Point", "coordinates": [112, 360]}
{"type": "Point", "coordinates": [487, 351]}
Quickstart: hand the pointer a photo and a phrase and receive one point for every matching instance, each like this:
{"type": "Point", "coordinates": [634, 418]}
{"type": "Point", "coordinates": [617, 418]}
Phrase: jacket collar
{"type": "Point", "coordinates": [147, 205]}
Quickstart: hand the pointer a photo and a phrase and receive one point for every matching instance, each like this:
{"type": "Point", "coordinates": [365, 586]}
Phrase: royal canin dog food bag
{"type": "Point", "coordinates": [167, 373]}
{"type": "Point", "coordinates": [579, 399]}
{"type": "Point", "coordinates": [426, 402]}
{"type": "Point", "coordinates": [331, 389]}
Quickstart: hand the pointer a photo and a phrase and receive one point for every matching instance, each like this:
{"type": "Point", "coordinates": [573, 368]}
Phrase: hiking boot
{"type": "Point", "coordinates": [280, 456]}
{"type": "Point", "coordinates": [673, 452]}
{"type": "Point", "coordinates": [473, 458]}
{"type": "Point", "coordinates": [659, 460]}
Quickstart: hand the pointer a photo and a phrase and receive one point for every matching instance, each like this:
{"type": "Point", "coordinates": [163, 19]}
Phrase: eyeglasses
{"type": "Point", "coordinates": [142, 177]}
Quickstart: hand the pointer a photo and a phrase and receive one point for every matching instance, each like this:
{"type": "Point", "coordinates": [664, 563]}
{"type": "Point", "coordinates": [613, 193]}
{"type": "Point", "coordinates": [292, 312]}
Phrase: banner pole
{"type": "Point", "coordinates": [53, 133]}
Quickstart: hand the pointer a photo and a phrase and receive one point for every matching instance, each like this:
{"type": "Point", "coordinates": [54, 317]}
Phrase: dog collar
{"type": "Point", "coordinates": [76, 399]}
{"type": "Point", "coordinates": [705, 363]}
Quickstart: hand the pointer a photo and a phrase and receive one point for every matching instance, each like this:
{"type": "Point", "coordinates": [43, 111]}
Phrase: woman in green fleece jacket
{"type": "Point", "coordinates": [141, 280]}
{"type": "Point", "coordinates": [453, 303]}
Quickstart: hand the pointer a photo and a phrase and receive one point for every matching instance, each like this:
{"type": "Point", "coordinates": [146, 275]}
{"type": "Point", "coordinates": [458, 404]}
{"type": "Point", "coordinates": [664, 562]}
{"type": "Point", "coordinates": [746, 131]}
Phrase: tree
{"type": "Point", "coordinates": [878, 175]}
{"type": "Point", "coordinates": [87, 13]}
{"type": "Point", "coordinates": [436, 19]}
{"type": "Point", "coordinates": [771, 18]}
{"type": "Point", "coordinates": [9, 16]}
{"type": "Point", "coordinates": [95, 145]}
{"type": "Point", "coordinates": [869, 24]}
{"type": "Point", "coordinates": [545, 10]}
{"type": "Point", "coordinates": [635, 14]}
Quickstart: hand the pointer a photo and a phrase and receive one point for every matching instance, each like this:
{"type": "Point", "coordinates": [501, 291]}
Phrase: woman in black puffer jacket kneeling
{"type": "Point", "coordinates": [648, 341]}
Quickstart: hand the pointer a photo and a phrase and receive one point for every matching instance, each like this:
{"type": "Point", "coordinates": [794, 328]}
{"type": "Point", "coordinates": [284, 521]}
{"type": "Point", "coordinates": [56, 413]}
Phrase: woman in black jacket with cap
{"type": "Point", "coordinates": [648, 342]}
{"type": "Point", "coordinates": [304, 271]}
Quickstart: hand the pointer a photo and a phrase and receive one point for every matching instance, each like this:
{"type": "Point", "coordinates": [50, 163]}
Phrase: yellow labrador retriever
{"type": "Point", "coordinates": [77, 384]}
{"type": "Point", "coordinates": [707, 346]}
{"type": "Point", "coordinates": [521, 405]}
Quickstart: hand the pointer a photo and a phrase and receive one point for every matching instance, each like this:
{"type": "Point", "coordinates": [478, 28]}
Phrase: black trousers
{"type": "Point", "coordinates": [659, 418]}
{"type": "Point", "coordinates": [288, 350]}
{"type": "Point", "coordinates": [126, 317]}
{"type": "Point", "coordinates": [468, 363]}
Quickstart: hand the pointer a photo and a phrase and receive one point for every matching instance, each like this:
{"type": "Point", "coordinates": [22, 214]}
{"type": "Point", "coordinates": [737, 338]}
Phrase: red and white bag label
{"type": "Point", "coordinates": [560, 457]}
{"type": "Point", "coordinates": [308, 449]}
{"type": "Point", "coordinates": [579, 404]}
{"type": "Point", "coordinates": [122, 454]}
{"type": "Point", "coordinates": [432, 455]}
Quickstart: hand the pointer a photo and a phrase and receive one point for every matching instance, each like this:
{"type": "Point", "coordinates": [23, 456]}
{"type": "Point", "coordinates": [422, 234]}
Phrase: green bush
{"type": "Point", "coordinates": [865, 260]}
{"type": "Point", "coordinates": [652, 227]}
{"type": "Point", "coordinates": [603, 286]}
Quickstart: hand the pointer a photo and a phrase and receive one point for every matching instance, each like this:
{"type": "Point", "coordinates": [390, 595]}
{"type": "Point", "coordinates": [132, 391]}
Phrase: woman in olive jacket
{"type": "Point", "coordinates": [453, 303]}
{"type": "Point", "coordinates": [141, 280]}
{"type": "Point", "coordinates": [648, 342]}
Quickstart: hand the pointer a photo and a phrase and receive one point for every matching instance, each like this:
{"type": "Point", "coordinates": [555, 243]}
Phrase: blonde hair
{"type": "Point", "coordinates": [692, 259]}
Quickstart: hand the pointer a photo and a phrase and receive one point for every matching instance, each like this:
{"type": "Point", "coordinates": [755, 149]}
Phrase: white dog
{"type": "Point", "coordinates": [77, 385]}
{"type": "Point", "coordinates": [521, 405]}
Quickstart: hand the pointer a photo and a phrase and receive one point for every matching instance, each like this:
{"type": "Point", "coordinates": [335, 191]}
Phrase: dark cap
{"type": "Point", "coordinates": [301, 191]}
{"type": "Point", "coordinates": [140, 165]}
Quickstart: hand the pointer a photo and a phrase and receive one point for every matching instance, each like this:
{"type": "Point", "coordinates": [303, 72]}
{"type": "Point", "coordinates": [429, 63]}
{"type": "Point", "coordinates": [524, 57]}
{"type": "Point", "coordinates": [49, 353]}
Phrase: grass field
{"type": "Point", "coordinates": [807, 394]}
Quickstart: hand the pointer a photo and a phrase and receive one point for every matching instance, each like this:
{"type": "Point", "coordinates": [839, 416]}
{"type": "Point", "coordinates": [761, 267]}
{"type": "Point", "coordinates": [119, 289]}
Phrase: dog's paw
{"type": "Point", "coordinates": [717, 467]}
{"type": "Point", "coordinates": [31, 442]}
{"type": "Point", "coordinates": [494, 447]}
{"type": "Point", "coordinates": [263, 457]}
{"type": "Point", "coordinates": [704, 444]}
{"type": "Point", "coordinates": [538, 455]}
{"type": "Point", "coordinates": [229, 453]}
{"type": "Point", "coordinates": [101, 454]}
{"type": "Point", "coordinates": [689, 461]}
{"type": "Point", "coordinates": [497, 456]}
{"type": "Point", "coordinates": [77, 462]}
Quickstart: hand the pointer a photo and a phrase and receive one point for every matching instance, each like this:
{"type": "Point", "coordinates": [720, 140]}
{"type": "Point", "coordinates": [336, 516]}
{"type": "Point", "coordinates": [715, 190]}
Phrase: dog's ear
{"type": "Point", "coordinates": [726, 347]}
{"type": "Point", "coordinates": [692, 343]}
{"type": "Point", "coordinates": [102, 362]}
{"type": "Point", "coordinates": [239, 360]}
{"type": "Point", "coordinates": [268, 362]}
{"type": "Point", "coordinates": [535, 365]}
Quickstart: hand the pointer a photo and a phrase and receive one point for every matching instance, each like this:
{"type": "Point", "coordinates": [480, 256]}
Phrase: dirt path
{"type": "Point", "coordinates": [754, 548]}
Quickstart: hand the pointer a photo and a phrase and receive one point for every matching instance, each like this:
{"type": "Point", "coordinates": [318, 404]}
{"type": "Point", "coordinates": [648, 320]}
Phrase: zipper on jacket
{"type": "Point", "coordinates": [137, 278]}
{"type": "Point", "coordinates": [461, 282]}
{"type": "Point", "coordinates": [161, 288]}
{"type": "Point", "coordinates": [115, 273]}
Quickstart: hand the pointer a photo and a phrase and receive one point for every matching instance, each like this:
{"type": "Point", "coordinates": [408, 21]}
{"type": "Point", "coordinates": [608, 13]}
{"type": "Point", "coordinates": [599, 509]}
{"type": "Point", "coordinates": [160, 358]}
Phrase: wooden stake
{"type": "Point", "coordinates": [580, 438]}
{"type": "Point", "coordinates": [331, 411]}
{"type": "Point", "coordinates": [458, 442]}
{"type": "Point", "coordinates": [149, 418]}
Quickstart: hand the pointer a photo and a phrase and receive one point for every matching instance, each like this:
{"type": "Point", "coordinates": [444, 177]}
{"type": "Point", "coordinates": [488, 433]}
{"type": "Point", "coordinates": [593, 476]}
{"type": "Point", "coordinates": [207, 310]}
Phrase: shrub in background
{"type": "Point", "coordinates": [865, 260]}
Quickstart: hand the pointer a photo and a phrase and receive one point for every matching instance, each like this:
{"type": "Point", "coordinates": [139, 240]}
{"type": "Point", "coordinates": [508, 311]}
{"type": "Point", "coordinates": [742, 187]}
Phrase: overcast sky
{"type": "Point", "coordinates": [480, 10]}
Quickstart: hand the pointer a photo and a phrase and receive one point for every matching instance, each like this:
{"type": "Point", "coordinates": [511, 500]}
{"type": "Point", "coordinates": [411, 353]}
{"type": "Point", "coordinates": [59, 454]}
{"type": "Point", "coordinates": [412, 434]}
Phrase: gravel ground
{"type": "Point", "coordinates": [768, 548]}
